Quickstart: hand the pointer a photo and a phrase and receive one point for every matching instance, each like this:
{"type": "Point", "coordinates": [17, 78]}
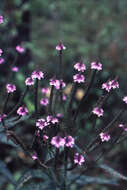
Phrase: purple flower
{"type": "Point", "coordinates": [15, 69]}
{"type": "Point", "coordinates": [98, 111]}
{"type": "Point", "coordinates": [37, 75]}
{"type": "Point", "coordinates": [59, 115]}
{"type": "Point", "coordinates": [20, 49]}
{"type": "Point", "coordinates": [64, 98]}
{"type": "Point", "coordinates": [34, 156]}
{"type": "Point", "coordinates": [125, 99]}
{"type": "Point", "coordinates": [10, 88]}
{"type": "Point", "coordinates": [57, 83]}
{"type": "Point", "coordinates": [1, 19]}
{"type": "Point", "coordinates": [52, 119]}
{"type": "Point", "coordinates": [69, 141]}
{"type": "Point", "coordinates": [80, 66]}
{"type": "Point", "coordinates": [1, 51]}
{"type": "Point", "coordinates": [96, 66]}
{"type": "Point", "coordinates": [104, 136]}
{"type": "Point", "coordinates": [78, 159]}
{"type": "Point", "coordinates": [121, 125]}
{"type": "Point", "coordinates": [58, 141]}
{"type": "Point", "coordinates": [45, 138]}
{"type": "Point", "coordinates": [2, 116]}
{"type": "Point", "coordinates": [45, 90]}
{"type": "Point", "coordinates": [79, 78]}
{"type": "Point", "coordinates": [29, 81]}
{"type": "Point", "coordinates": [41, 123]}
{"type": "Point", "coordinates": [110, 84]}
{"type": "Point", "coordinates": [44, 101]}
{"type": "Point", "coordinates": [22, 111]}
{"type": "Point", "coordinates": [60, 47]}
{"type": "Point", "coordinates": [1, 61]}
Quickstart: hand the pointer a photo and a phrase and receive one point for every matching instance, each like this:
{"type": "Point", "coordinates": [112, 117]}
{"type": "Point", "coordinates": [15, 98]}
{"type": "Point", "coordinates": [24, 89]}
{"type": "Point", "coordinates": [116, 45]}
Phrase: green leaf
{"type": "Point", "coordinates": [113, 172]}
{"type": "Point", "coordinates": [28, 176]}
{"type": "Point", "coordinates": [6, 173]}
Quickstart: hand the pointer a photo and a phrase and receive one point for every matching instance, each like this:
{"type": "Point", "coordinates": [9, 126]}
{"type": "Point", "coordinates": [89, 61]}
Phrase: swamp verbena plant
{"type": "Point", "coordinates": [64, 163]}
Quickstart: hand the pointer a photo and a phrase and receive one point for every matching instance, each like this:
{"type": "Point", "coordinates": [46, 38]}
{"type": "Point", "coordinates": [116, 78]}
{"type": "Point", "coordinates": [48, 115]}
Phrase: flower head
{"type": "Point", "coordinates": [44, 101]}
{"type": "Point", "coordinates": [41, 123]}
{"type": "Point", "coordinates": [37, 75]}
{"type": "Point", "coordinates": [104, 136]}
{"type": "Point", "coordinates": [1, 19]}
{"type": "Point", "coordinates": [29, 81]}
{"type": "Point", "coordinates": [2, 116]}
{"type": "Point", "coordinates": [52, 119]}
{"type": "Point", "coordinates": [57, 83]}
{"type": "Point", "coordinates": [15, 69]}
{"type": "Point", "coordinates": [69, 141]}
{"type": "Point", "coordinates": [80, 66]}
{"type": "Point", "coordinates": [34, 156]}
{"type": "Point", "coordinates": [60, 47]}
{"type": "Point", "coordinates": [79, 78]}
{"type": "Point", "coordinates": [10, 88]}
{"type": "Point", "coordinates": [1, 51]}
{"type": "Point", "coordinates": [45, 138]}
{"type": "Point", "coordinates": [125, 99]}
{"type": "Point", "coordinates": [78, 159]}
{"type": "Point", "coordinates": [20, 49]}
{"type": "Point", "coordinates": [58, 141]}
{"type": "Point", "coordinates": [1, 61]}
{"type": "Point", "coordinates": [22, 111]}
{"type": "Point", "coordinates": [98, 111]}
{"type": "Point", "coordinates": [96, 65]}
{"type": "Point", "coordinates": [45, 90]}
{"type": "Point", "coordinates": [111, 84]}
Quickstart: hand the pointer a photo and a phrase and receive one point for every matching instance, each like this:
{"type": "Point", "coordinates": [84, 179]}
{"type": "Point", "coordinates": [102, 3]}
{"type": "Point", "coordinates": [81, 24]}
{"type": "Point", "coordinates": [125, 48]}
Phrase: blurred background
{"type": "Point", "coordinates": [90, 30]}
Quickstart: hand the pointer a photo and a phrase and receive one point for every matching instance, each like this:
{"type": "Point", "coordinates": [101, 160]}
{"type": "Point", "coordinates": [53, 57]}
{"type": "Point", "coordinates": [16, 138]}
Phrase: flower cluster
{"type": "Point", "coordinates": [1, 19]}
{"type": "Point", "coordinates": [44, 101]}
{"type": "Point", "coordinates": [111, 84]}
{"type": "Point", "coordinates": [1, 60]}
{"type": "Point", "coordinates": [78, 159]}
{"type": "Point", "coordinates": [98, 111]}
{"type": "Point", "coordinates": [58, 141]}
{"type": "Point", "coordinates": [96, 66]}
{"type": "Point", "coordinates": [60, 47]}
{"type": "Point", "coordinates": [104, 136]}
{"type": "Point", "coordinates": [15, 69]}
{"type": "Point", "coordinates": [10, 88]}
{"type": "Point", "coordinates": [79, 78]}
{"type": "Point", "coordinates": [20, 49]}
{"type": "Point", "coordinates": [125, 99]}
{"type": "Point", "coordinates": [1, 51]}
{"type": "Point", "coordinates": [22, 111]}
{"type": "Point", "coordinates": [57, 83]}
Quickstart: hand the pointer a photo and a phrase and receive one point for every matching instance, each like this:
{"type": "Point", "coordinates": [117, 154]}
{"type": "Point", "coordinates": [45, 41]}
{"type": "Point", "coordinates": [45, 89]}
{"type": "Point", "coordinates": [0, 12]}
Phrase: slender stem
{"type": "Point", "coordinates": [36, 97]}
{"type": "Point", "coordinates": [60, 65]}
{"type": "Point", "coordinates": [65, 168]}
{"type": "Point", "coordinates": [51, 100]}
{"type": "Point", "coordinates": [5, 104]}
{"type": "Point", "coordinates": [85, 95]}
{"type": "Point", "coordinates": [19, 102]}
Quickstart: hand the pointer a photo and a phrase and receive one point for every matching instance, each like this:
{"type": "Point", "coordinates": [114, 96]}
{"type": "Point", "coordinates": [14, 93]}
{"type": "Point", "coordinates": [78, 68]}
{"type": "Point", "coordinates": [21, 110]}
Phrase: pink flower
{"type": "Point", "coordinates": [57, 83]}
{"type": "Point", "coordinates": [58, 141]}
{"type": "Point", "coordinates": [125, 99]}
{"type": "Point", "coordinates": [110, 84]}
{"type": "Point", "coordinates": [80, 66]}
{"type": "Point", "coordinates": [121, 125]}
{"type": "Point", "coordinates": [37, 75]}
{"type": "Point", "coordinates": [98, 111]}
{"type": "Point", "coordinates": [15, 69]}
{"type": "Point", "coordinates": [79, 78]}
{"type": "Point", "coordinates": [64, 98]}
{"type": "Point", "coordinates": [34, 156]}
{"type": "Point", "coordinates": [41, 124]}
{"type": "Point", "coordinates": [104, 137]}
{"type": "Point", "coordinates": [1, 19]}
{"type": "Point", "coordinates": [10, 88]}
{"type": "Point", "coordinates": [60, 47]}
{"type": "Point", "coordinates": [96, 66]}
{"type": "Point", "coordinates": [22, 111]}
{"type": "Point", "coordinates": [20, 49]}
{"type": "Point", "coordinates": [2, 116]}
{"type": "Point", "coordinates": [59, 115]}
{"type": "Point", "coordinates": [45, 138]}
{"type": "Point", "coordinates": [45, 90]}
{"type": "Point", "coordinates": [1, 52]}
{"type": "Point", "coordinates": [29, 81]}
{"type": "Point", "coordinates": [44, 101]}
{"type": "Point", "coordinates": [52, 119]}
{"type": "Point", "coordinates": [69, 141]}
{"type": "Point", "coordinates": [1, 61]}
{"type": "Point", "coordinates": [78, 159]}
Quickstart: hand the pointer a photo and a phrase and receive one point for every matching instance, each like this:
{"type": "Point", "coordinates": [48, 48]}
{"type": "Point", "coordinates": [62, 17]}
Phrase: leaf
{"type": "Point", "coordinates": [29, 175]}
{"type": "Point", "coordinates": [6, 173]}
{"type": "Point", "coordinates": [11, 122]}
{"type": "Point", "coordinates": [113, 172]}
